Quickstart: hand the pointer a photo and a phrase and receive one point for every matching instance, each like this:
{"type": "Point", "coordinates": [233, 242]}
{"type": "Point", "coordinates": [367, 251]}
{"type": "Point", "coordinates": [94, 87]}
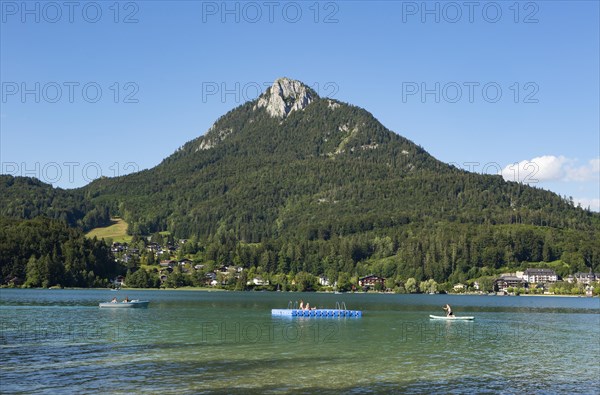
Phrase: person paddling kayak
{"type": "Point", "coordinates": [448, 310]}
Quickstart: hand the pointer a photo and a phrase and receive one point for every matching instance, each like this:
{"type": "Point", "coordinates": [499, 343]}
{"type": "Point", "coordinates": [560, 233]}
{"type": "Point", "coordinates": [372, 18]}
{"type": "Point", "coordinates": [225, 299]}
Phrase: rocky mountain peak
{"type": "Point", "coordinates": [284, 96]}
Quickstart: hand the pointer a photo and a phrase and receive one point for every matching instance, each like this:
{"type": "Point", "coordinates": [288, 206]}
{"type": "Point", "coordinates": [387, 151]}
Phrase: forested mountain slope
{"type": "Point", "coordinates": [293, 182]}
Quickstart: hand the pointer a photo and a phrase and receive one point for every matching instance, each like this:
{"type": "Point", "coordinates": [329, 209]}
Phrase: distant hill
{"type": "Point", "coordinates": [27, 198]}
{"type": "Point", "coordinates": [322, 186]}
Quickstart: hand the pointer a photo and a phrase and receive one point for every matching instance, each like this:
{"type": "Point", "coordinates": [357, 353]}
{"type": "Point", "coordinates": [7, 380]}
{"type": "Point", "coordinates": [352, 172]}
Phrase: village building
{"type": "Point", "coordinates": [119, 281]}
{"type": "Point", "coordinates": [509, 281]}
{"type": "Point", "coordinates": [584, 278]}
{"type": "Point", "coordinates": [536, 276]}
{"type": "Point", "coordinates": [371, 281]}
{"type": "Point", "coordinates": [258, 281]}
{"type": "Point", "coordinates": [323, 281]}
{"type": "Point", "coordinates": [168, 263]}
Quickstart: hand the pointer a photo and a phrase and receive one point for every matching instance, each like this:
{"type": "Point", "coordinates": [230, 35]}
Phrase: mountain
{"type": "Point", "coordinates": [291, 158]}
{"type": "Point", "coordinates": [314, 184]}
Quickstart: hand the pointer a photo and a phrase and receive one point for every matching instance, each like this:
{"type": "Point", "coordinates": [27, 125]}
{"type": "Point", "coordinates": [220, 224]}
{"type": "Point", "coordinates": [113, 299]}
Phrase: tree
{"type": "Point", "coordinates": [486, 283]}
{"type": "Point", "coordinates": [305, 282]}
{"type": "Point", "coordinates": [35, 273]}
{"type": "Point", "coordinates": [151, 259]}
{"type": "Point", "coordinates": [344, 283]}
{"type": "Point", "coordinates": [242, 281]}
{"type": "Point", "coordinates": [142, 279]}
{"type": "Point", "coordinates": [411, 285]}
{"type": "Point", "coordinates": [429, 286]}
{"type": "Point", "coordinates": [177, 279]}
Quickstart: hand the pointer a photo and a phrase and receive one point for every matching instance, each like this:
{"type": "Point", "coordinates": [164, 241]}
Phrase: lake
{"type": "Point", "coordinates": [60, 341]}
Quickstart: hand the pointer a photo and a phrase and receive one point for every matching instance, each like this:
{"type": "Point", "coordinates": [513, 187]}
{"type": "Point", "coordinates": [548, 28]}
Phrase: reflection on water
{"type": "Point", "coordinates": [195, 342]}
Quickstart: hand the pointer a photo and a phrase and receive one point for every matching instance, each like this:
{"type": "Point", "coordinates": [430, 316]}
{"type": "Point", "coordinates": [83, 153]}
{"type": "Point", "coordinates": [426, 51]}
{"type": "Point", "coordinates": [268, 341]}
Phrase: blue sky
{"type": "Point", "coordinates": [105, 88]}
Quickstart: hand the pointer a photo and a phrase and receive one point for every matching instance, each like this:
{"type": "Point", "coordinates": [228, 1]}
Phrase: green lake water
{"type": "Point", "coordinates": [60, 341]}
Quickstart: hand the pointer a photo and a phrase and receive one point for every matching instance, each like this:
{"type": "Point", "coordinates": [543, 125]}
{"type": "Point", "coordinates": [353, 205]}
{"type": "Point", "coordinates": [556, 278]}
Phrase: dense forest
{"type": "Point", "coordinates": [44, 252]}
{"type": "Point", "coordinates": [445, 253]}
{"type": "Point", "coordinates": [27, 198]}
{"type": "Point", "coordinates": [325, 190]}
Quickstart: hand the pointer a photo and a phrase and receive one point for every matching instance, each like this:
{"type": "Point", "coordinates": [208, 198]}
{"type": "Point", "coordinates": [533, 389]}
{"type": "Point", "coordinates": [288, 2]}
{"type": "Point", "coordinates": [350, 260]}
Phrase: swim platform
{"type": "Point", "coordinates": [316, 313]}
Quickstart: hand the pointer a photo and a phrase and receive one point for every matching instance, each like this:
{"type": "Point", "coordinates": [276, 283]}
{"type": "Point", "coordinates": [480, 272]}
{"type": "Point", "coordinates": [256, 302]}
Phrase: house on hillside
{"type": "Point", "coordinates": [536, 276]}
{"type": "Point", "coordinates": [509, 281]}
{"type": "Point", "coordinates": [584, 278]}
{"type": "Point", "coordinates": [211, 278]}
{"type": "Point", "coordinates": [371, 281]}
{"type": "Point", "coordinates": [153, 247]}
{"type": "Point", "coordinates": [258, 281]}
{"type": "Point", "coordinates": [324, 281]}
{"type": "Point", "coordinates": [168, 263]}
{"type": "Point", "coordinates": [119, 281]}
{"type": "Point", "coordinates": [117, 247]}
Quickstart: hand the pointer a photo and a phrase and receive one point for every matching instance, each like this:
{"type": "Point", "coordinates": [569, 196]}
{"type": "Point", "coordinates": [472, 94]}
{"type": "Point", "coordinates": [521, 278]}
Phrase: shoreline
{"type": "Point", "coordinates": [208, 289]}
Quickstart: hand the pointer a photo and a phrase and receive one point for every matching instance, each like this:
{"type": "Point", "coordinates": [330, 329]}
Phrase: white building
{"type": "Point", "coordinates": [258, 281]}
{"type": "Point", "coordinates": [324, 281]}
{"type": "Point", "coordinates": [584, 278]}
{"type": "Point", "coordinates": [536, 276]}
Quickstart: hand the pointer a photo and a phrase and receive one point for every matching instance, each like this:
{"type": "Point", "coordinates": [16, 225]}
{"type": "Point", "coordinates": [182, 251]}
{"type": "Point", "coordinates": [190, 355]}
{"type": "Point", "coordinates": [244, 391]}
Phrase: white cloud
{"type": "Point", "coordinates": [593, 204]}
{"type": "Point", "coordinates": [551, 168]}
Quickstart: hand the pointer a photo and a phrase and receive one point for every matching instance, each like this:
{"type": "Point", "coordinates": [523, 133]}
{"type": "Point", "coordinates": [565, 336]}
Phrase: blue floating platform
{"type": "Point", "coordinates": [316, 313]}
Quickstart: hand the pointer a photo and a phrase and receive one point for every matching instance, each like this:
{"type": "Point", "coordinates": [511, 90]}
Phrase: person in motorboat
{"type": "Point", "coordinates": [448, 310]}
{"type": "Point", "coordinates": [126, 300]}
{"type": "Point", "coordinates": [301, 306]}
{"type": "Point", "coordinates": [307, 306]}
{"type": "Point", "coordinates": [114, 300]}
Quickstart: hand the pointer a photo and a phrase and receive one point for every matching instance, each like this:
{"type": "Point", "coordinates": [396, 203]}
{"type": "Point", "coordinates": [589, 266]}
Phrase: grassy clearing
{"type": "Point", "coordinates": [117, 231]}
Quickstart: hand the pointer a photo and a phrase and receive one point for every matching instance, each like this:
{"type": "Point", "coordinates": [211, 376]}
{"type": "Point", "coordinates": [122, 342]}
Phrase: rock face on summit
{"type": "Point", "coordinates": [279, 100]}
{"type": "Point", "coordinates": [285, 96]}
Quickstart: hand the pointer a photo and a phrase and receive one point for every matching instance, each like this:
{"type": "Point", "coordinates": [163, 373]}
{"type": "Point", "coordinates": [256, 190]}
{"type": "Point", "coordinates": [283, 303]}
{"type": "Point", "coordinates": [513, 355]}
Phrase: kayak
{"type": "Point", "coordinates": [450, 318]}
{"type": "Point", "coordinates": [124, 305]}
